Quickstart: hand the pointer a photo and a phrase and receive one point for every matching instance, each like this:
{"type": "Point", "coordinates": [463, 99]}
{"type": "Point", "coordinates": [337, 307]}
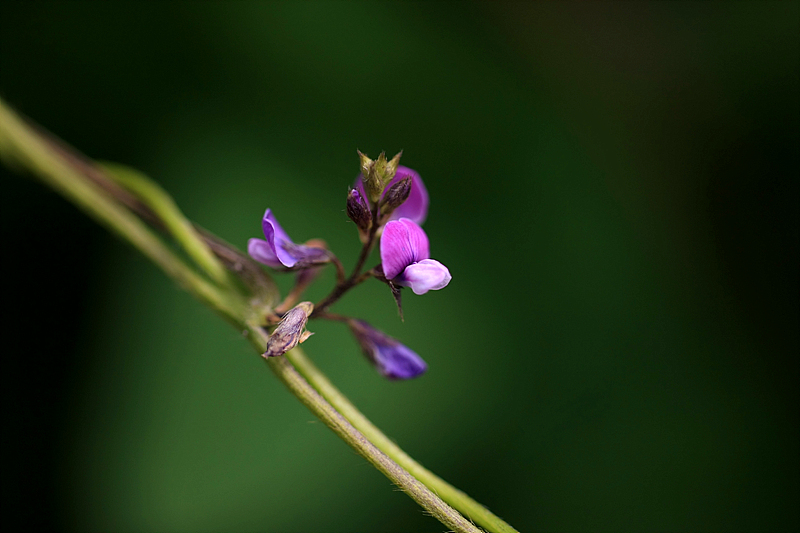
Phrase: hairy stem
{"type": "Point", "coordinates": [458, 499]}
{"type": "Point", "coordinates": [286, 372]}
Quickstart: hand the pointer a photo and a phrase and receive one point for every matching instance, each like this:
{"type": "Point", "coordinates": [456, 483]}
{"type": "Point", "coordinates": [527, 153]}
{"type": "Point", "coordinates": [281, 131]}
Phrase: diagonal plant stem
{"type": "Point", "coordinates": [22, 147]}
{"type": "Point", "coordinates": [174, 221]}
{"type": "Point", "coordinates": [426, 498]}
{"type": "Point", "coordinates": [458, 499]}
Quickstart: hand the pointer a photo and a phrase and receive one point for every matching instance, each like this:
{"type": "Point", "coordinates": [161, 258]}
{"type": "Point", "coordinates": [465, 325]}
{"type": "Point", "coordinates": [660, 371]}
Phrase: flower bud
{"type": "Point", "coordinates": [358, 210]}
{"type": "Point", "coordinates": [395, 196]}
{"type": "Point", "coordinates": [291, 330]}
{"type": "Point", "coordinates": [390, 357]}
{"type": "Point", "coordinates": [378, 173]}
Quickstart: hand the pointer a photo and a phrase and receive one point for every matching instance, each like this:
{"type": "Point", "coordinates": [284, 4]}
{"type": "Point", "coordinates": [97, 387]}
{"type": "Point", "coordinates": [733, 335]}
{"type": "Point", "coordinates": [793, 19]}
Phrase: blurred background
{"type": "Point", "coordinates": [614, 187]}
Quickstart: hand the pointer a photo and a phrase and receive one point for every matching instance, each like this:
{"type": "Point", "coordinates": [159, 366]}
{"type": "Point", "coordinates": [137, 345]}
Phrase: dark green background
{"type": "Point", "coordinates": [614, 187]}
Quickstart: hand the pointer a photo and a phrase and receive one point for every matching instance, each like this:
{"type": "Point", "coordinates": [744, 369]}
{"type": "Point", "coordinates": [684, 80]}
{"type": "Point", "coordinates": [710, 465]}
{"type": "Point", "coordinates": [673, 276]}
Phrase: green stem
{"type": "Point", "coordinates": [458, 499]}
{"type": "Point", "coordinates": [176, 224]}
{"type": "Point", "coordinates": [286, 372]}
{"type": "Point", "coordinates": [20, 145]}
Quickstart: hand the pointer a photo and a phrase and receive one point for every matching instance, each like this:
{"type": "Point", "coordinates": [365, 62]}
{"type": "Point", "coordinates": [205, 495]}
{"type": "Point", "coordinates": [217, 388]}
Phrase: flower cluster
{"type": "Point", "coordinates": [388, 203]}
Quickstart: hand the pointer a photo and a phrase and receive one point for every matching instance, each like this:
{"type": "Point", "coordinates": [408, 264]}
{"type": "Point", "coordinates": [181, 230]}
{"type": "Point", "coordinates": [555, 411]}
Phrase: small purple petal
{"type": "Point", "coordinates": [402, 244]}
{"type": "Point", "coordinates": [400, 362]}
{"type": "Point", "coordinates": [278, 250]}
{"type": "Point", "coordinates": [279, 241]}
{"type": "Point", "coordinates": [261, 251]}
{"type": "Point", "coordinates": [271, 228]}
{"type": "Point", "coordinates": [424, 276]}
{"type": "Point", "coordinates": [390, 357]}
{"type": "Point", "coordinates": [416, 206]}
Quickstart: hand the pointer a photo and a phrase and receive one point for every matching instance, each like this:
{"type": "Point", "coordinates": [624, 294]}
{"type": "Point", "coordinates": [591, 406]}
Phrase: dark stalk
{"type": "Point", "coordinates": [354, 279]}
{"type": "Point", "coordinates": [333, 316]}
{"type": "Point", "coordinates": [340, 274]}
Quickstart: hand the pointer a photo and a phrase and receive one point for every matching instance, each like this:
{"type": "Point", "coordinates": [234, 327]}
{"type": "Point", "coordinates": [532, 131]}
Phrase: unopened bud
{"type": "Point", "coordinates": [390, 357]}
{"type": "Point", "coordinates": [358, 210]}
{"type": "Point", "coordinates": [395, 196]}
{"type": "Point", "coordinates": [291, 330]}
{"type": "Point", "coordinates": [378, 173]}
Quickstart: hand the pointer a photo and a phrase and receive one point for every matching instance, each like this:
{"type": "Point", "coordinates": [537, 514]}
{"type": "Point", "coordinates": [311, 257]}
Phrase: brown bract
{"type": "Point", "coordinates": [291, 330]}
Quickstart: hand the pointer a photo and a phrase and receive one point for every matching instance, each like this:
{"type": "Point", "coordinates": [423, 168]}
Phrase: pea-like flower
{"type": "Point", "coordinates": [278, 250]}
{"type": "Point", "coordinates": [405, 257]}
{"type": "Point", "coordinates": [416, 206]}
{"type": "Point", "coordinates": [390, 357]}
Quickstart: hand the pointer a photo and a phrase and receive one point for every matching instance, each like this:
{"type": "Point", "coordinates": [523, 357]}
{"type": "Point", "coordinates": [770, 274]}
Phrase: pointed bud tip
{"type": "Point", "coordinates": [393, 164]}
{"type": "Point", "coordinates": [395, 196]}
{"type": "Point", "coordinates": [358, 210]}
{"type": "Point", "coordinates": [306, 307]}
{"type": "Point", "coordinates": [365, 161]}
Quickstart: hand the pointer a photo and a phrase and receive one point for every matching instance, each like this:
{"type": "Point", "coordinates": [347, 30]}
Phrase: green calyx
{"type": "Point", "coordinates": [378, 173]}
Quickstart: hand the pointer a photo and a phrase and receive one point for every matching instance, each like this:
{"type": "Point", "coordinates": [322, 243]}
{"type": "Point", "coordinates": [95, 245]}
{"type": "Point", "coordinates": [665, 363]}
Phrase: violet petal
{"type": "Point", "coordinates": [424, 276]}
{"type": "Point", "coordinates": [271, 227]}
{"type": "Point", "coordinates": [278, 250]}
{"type": "Point", "coordinates": [403, 243]}
{"type": "Point", "coordinates": [261, 251]}
{"type": "Point", "coordinates": [416, 206]}
{"type": "Point", "coordinates": [392, 359]}
{"type": "Point", "coordinates": [279, 241]}
{"type": "Point", "coordinates": [400, 362]}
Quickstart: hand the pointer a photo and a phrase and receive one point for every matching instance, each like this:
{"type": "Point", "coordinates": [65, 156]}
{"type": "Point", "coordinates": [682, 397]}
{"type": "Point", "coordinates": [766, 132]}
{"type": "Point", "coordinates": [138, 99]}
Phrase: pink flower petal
{"type": "Point", "coordinates": [402, 244]}
{"type": "Point", "coordinates": [426, 275]}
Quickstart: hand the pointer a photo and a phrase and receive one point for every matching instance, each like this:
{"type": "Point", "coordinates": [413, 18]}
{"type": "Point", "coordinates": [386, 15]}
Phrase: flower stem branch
{"type": "Point", "coordinates": [342, 287]}
{"type": "Point", "coordinates": [367, 248]}
{"type": "Point", "coordinates": [340, 273]}
{"type": "Point", "coordinates": [333, 316]}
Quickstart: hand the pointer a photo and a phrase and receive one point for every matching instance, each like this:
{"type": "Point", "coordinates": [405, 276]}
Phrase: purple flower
{"type": "Point", "coordinates": [278, 250]}
{"type": "Point", "coordinates": [405, 256]}
{"type": "Point", "coordinates": [416, 206]}
{"type": "Point", "coordinates": [390, 357]}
